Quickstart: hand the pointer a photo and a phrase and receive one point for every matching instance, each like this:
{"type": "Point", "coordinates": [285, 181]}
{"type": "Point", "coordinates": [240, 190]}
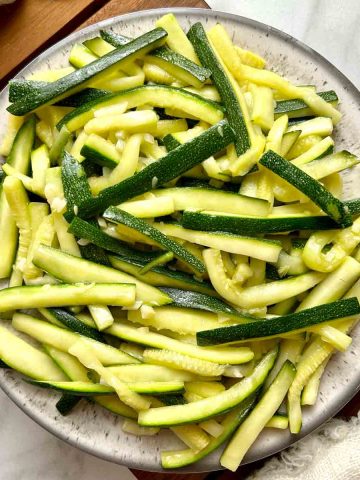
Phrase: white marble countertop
{"type": "Point", "coordinates": [329, 26]}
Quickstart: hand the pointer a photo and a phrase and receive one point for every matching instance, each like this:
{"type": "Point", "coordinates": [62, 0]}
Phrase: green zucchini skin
{"type": "Point", "coordinates": [170, 142]}
{"type": "Point", "coordinates": [162, 276]}
{"type": "Point", "coordinates": [279, 325]}
{"type": "Point", "coordinates": [76, 325]}
{"type": "Point", "coordinates": [176, 162]}
{"type": "Point", "coordinates": [115, 39]}
{"type": "Point", "coordinates": [120, 216]}
{"type": "Point", "coordinates": [307, 185]}
{"type": "Point", "coordinates": [84, 229]}
{"type": "Point", "coordinates": [297, 108]}
{"type": "Point", "coordinates": [353, 206]}
{"type": "Point", "coordinates": [198, 38]}
{"type": "Point", "coordinates": [75, 184]}
{"type": "Point", "coordinates": [77, 189]}
{"type": "Point", "coordinates": [211, 222]}
{"type": "Point", "coordinates": [84, 96]}
{"type": "Point", "coordinates": [200, 301]}
{"type": "Point", "coordinates": [19, 88]}
{"type": "Point", "coordinates": [66, 404]}
{"type": "Point", "coordinates": [65, 86]}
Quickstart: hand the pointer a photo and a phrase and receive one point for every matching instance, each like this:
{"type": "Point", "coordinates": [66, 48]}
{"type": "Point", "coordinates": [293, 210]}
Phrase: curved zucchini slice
{"type": "Point", "coordinates": [156, 340]}
{"type": "Point", "coordinates": [68, 268]}
{"type": "Point", "coordinates": [212, 221]}
{"type": "Point", "coordinates": [307, 185]}
{"type": "Point", "coordinates": [26, 359]}
{"type": "Point", "coordinates": [159, 96]}
{"type": "Point", "coordinates": [212, 406]}
{"type": "Point", "coordinates": [298, 321]}
{"type": "Point", "coordinates": [65, 294]}
{"type": "Point", "coordinates": [264, 410]}
{"type": "Point", "coordinates": [182, 458]}
{"type": "Point", "coordinates": [120, 216]}
{"type": "Point", "coordinates": [95, 71]}
{"type": "Point", "coordinates": [215, 200]}
{"type": "Point", "coordinates": [83, 389]}
{"type": "Point", "coordinates": [63, 339]}
{"type": "Point", "coordinates": [175, 163]}
{"type": "Point", "coordinates": [267, 250]}
{"type": "Point", "coordinates": [161, 276]}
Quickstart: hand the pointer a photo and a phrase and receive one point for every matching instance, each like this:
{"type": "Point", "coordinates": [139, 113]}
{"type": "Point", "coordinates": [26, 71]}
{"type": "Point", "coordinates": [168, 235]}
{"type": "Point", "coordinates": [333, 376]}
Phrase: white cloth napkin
{"type": "Point", "coordinates": [331, 28]}
{"type": "Point", "coordinates": [330, 453]}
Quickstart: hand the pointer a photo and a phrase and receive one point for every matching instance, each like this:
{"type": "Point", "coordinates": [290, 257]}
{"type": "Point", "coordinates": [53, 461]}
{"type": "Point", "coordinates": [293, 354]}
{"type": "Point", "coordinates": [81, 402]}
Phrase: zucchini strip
{"type": "Point", "coordinates": [97, 69]}
{"type": "Point", "coordinates": [65, 294]}
{"type": "Point", "coordinates": [184, 157]}
{"type": "Point", "coordinates": [298, 321]}
{"type": "Point", "coordinates": [251, 225]}
{"type": "Point", "coordinates": [156, 340]}
{"type": "Point", "coordinates": [63, 339]}
{"type": "Point", "coordinates": [215, 200]}
{"type": "Point", "coordinates": [212, 406]}
{"type": "Point", "coordinates": [262, 249]}
{"type": "Point", "coordinates": [230, 95]}
{"type": "Point", "coordinates": [26, 359]}
{"type": "Point", "coordinates": [307, 185]}
{"type": "Point", "coordinates": [119, 216]}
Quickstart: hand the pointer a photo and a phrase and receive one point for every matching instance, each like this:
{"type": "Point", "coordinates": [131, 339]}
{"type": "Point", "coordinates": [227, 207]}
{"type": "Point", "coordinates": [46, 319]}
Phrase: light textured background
{"type": "Point", "coordinates": [331, 27]}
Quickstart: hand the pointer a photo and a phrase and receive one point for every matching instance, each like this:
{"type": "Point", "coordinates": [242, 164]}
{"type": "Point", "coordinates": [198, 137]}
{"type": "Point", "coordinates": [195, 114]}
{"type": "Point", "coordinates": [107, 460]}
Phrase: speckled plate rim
{"type": "Point", "coordinates": [353, 387]}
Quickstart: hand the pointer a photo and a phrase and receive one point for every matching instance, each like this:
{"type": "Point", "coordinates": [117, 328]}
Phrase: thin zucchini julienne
{"type": "Point", "coordinates": [307, 185]}
{"type": "Point", "coordinates": [120, 216]}
{"type": "Point", "coordinates": [105, 65]}
{"type": "Point", "coordinates": [176, 162]}
{"type": "Point", "coordinates": [280, 325]}
{"type": "Point", "coordinates": [66, 294]}
{"type": "Point", "coordinates": [212, 406]}
{"type": "Point", "coordinates": [208, 57]}
{"type": "Point", "coordinates": [297, 108]}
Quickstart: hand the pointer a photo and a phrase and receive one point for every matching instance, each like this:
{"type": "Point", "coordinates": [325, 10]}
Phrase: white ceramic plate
{"type": "Point", "coordinates": [97, 431]}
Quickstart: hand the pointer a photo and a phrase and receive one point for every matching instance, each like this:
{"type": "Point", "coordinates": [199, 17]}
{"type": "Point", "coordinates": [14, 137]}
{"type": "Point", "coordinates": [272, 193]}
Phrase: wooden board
{"type": "Point", "coordinates": [29, 26]}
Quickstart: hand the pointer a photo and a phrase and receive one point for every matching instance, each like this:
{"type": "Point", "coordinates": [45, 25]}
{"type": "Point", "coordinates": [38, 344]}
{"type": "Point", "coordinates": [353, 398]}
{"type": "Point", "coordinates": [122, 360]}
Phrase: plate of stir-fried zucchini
{"type": "Point", "coordinates": [180, 240]}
